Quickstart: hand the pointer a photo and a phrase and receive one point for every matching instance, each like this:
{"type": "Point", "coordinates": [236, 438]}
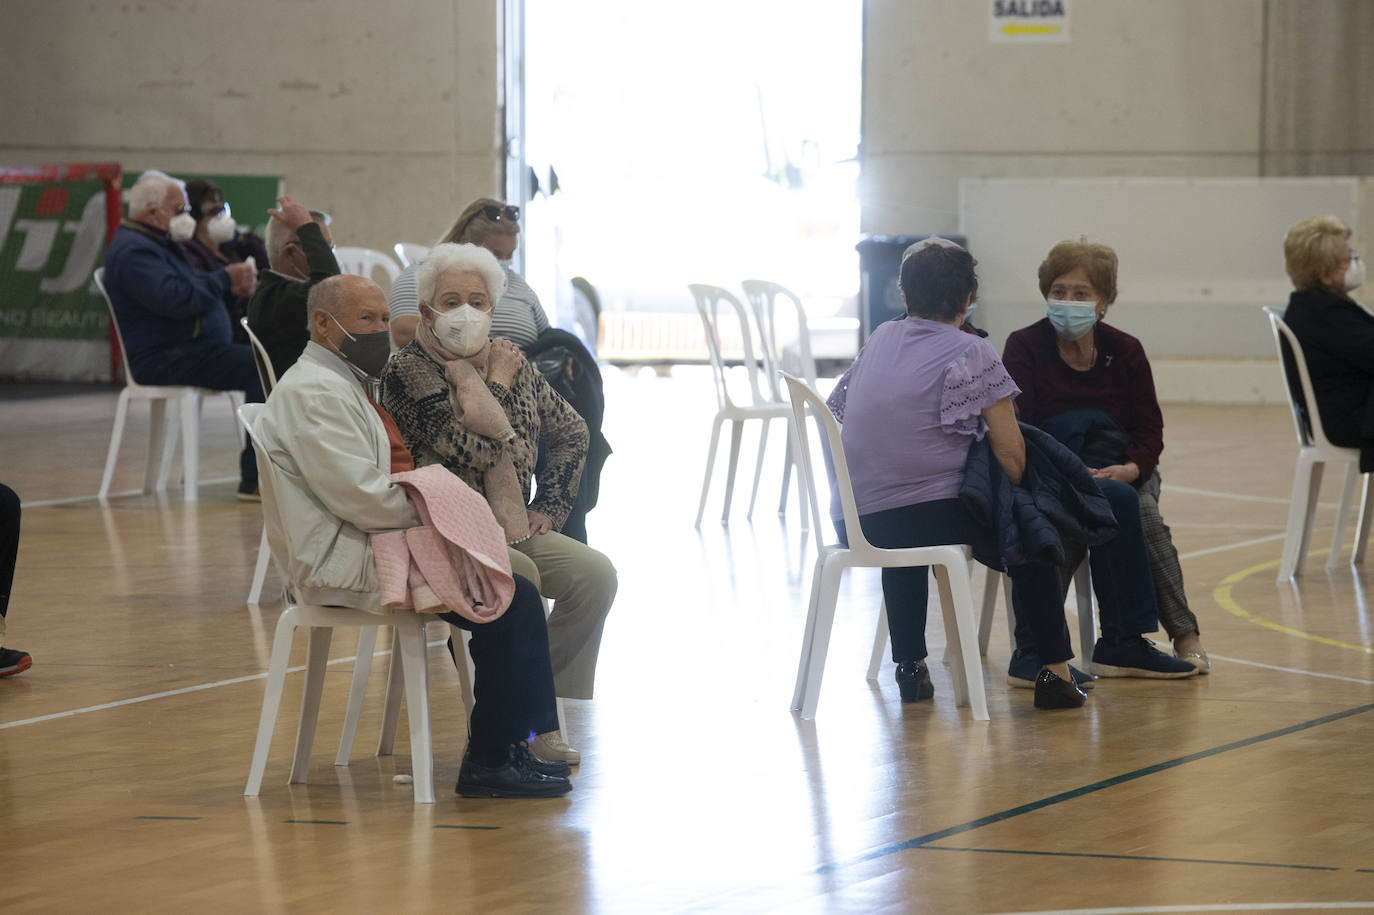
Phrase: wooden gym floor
{"type": "Point", "coordinates": [124, 750]}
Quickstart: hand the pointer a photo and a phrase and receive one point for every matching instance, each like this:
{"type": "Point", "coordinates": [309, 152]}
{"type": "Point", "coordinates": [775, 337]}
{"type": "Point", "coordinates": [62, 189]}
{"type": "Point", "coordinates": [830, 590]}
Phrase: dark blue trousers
{"type": "Point", "coordinates": [205, 364]}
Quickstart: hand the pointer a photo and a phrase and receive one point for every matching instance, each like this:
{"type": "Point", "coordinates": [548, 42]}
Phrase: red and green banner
{"type": "Point", "coordinates": [55, 221]}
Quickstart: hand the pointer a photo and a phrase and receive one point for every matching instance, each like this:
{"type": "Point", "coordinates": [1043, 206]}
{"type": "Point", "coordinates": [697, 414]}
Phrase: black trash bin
{"type": "Point", "coordinates": [880, 263]}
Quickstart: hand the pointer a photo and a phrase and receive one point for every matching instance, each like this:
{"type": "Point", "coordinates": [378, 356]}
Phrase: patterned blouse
{"type": "Point", "coordinates": [415, 392]}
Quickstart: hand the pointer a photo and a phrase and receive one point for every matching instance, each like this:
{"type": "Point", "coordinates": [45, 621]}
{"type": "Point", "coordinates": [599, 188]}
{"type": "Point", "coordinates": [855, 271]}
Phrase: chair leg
{"type": "Point", "coordinates": [1087, 625]}
{"type": "Point", "coordinates": [736, 429]}
{"type": "Point", "coordinates": [710, 463]}
{"type": "Point", "coordinates": [820, 638]}
{"type": "Point", "coordinates": [415, 661]}
{"type": "Point", "coordinates": [391, 705]}
{"type": "Point", "coordinates": [190, 447]}
{"type": "Point", "coordinates": [116, 436]}
{"type": "Point", "coordinates": [875, 660]}
{"type": "Point", "coordinates": [462, 660]}
{"type": "Point", "coordinates": [260, 570]}
{"type": "Point", "coordinates": [357, 691]}
{"type": "Point", "coordinates": [271, 699]}
{"type": "Point", "coordinates": [787, 460]}
{"type": "Point", "coordinates": [163, 435]}
{"type": "Point", "coordinates": [960, 631]}
{"type": "Point", "coordinates": [317, 656]}
{"type": "Point", "coordinates": [1362, 528]}
{"type": "Point", "coordinates": [562, 719]}
{"type": "Point", "coordinates": [808, 632]}
{"type": "Point", "coordinates": [758, 467]}
{"type": "Point", "coordinates": [1302, 510]}
{"type": "Point", "coordinates": [1352, 484]}
{"type": "Point", "coordinates": [991, 580]}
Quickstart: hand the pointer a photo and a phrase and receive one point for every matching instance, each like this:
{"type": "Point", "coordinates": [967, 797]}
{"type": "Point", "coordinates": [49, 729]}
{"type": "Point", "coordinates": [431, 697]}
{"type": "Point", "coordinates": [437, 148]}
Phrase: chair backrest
{"type": "Point", "coordinates": [763, 296]}
{"type": "Point", "coordinates": [114, 322]}
{"type": "Point", "coordinates": [362, 261]}
{"type": "Point", "coordinates": [267, 488]}
{"type": "Point", "coordinates": [708, 299]}
{"type": "Point", "coordinates": [1298, 383]}
{"type": "Point", "coordinates": [267, 375]}
{"type": "Point", "coordinates": [409, 253]}
{"type": "Point", "coordinates": [803, 397]}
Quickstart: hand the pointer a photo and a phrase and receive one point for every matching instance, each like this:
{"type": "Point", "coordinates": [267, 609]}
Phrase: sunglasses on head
{"type": "Point", "coordinates": [496, 213]}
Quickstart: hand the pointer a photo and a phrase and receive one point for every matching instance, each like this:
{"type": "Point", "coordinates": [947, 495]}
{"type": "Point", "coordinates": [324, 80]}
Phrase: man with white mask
{"type": "Point", "coordinates": [301, 253]}
{"type": "Point", "coordinates": [172, 317]}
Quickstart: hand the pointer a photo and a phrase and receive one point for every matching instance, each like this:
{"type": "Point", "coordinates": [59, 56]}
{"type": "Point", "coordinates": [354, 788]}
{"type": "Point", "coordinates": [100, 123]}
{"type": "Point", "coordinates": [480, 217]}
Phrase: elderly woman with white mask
{"type": "Point", "coordinates": [1090, 385]}
{"type": "Point", "coordinates": [477, 407]}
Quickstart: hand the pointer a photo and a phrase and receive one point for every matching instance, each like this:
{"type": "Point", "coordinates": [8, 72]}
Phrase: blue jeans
{"type": "Point", "coordinates": [1120, 571]}
{"type": "Point", "coordinates": [206, 364]}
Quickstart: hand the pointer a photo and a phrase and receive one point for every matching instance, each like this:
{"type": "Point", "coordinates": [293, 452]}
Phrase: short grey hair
{"type": "Point", "coordinates": [452, 258]}
{"type": "Point", "coordinates": [278, 235]}
{"type": "Point", "coordinates": [150, 190]}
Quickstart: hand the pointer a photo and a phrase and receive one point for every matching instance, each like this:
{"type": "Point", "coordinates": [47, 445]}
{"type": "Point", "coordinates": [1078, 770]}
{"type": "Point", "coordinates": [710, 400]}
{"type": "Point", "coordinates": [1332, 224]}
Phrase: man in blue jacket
{"type": "Point", "coordinates": [173, 317]}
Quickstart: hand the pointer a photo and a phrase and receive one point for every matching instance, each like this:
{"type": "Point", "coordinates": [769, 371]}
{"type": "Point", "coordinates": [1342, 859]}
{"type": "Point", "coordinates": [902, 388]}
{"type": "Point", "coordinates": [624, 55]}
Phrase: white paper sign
{"type": "Point", "coordinates": [1028, 21]}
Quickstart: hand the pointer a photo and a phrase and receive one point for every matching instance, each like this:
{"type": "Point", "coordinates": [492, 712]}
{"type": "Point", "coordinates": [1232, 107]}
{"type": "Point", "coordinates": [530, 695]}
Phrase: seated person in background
{"type": "Point", "coordinates": [917, 396]}
{"type": "Point", "coordinates": [301, 253]}
{"type": "Point", "coordinates": [1089, 384]}
{"type": "Point", "coordinates": [477, 407]}
{"type": "Point", "coordinates": [217, 241]}
{"type": "Point", "coordinates": [518, 317]}
{"type": "Point", "coordinates": [174, 318]}
{"type": "Point", "coordinates": [334, 450]}
{"type": "Point", "coordinates": [1336, 333]}
{"type": "Point", "coordinates": [12, 661]}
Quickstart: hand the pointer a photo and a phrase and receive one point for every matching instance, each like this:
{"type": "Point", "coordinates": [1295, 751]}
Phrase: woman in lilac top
{"type": "Point", "coordinates": [919, 394]}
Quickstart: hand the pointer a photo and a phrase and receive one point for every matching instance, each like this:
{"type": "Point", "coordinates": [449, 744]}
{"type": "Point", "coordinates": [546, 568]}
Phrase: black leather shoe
{"type": "Point", "coordinates": [913, 681]}
{"type": "Point", "coordinates": [515, 778]}
{"type": "Point", "coordinates": [556, 768]}
{"type": "Point", "coordinates": [1052, 692]}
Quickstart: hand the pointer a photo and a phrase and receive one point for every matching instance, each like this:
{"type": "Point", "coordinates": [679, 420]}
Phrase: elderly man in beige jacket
{"type": "Point", "coordinates": [332, 455]}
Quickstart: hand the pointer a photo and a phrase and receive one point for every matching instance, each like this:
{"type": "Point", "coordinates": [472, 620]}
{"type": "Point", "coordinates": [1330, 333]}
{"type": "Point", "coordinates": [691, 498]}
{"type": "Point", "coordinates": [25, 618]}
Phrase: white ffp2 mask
{"type": "Point", "coordinates": [463, 330]}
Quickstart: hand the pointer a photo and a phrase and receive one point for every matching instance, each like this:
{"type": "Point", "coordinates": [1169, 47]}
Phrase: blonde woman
{"type": "Point", "coordinates": [1336, 333]}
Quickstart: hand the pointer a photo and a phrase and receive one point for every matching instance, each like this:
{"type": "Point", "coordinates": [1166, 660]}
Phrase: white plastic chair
{"type": "Point", "coordinates": [363, 261]}
{"type": "Point", "coordinates": [267, 376]}
{"type": "Point", "coordinates": [1314, 452]}
{"type": "Point", "coordinates": [761, 407]}
{"type": "Point", "coordinates": [949, 562]}
{"type": "Point", "coordinates": [763, 297]}
{"type": "Point", "coordinates": [322, 621]}
{"type": "Point", "coordinates": [409, 253]}
{"type": "Point", "coordinates": [161, 442]}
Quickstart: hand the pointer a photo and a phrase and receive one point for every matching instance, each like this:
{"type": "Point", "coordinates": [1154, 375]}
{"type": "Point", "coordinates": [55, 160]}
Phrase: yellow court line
{"type": "Point", "coordinates": [1222, 595]}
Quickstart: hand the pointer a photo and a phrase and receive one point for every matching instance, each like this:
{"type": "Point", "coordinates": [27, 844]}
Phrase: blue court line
{"type": "Point", "coordinates": [447, 826]}
{"type": "Point", "coordinates": [1112, 782]}
{"type": "Point", "coordinates": [1070, 854]}
{"type": "Point", "coordinates": [320, 822]}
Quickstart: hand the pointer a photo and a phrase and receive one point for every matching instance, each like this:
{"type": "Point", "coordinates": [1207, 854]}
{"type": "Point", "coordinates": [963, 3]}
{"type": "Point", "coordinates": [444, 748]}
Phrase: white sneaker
{"type": "Point", "coordinates": [551, 747]}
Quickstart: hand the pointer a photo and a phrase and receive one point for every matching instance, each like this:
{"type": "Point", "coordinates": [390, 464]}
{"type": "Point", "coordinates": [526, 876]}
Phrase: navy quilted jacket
{"type": "Point", "coordinates": [1055, 500]}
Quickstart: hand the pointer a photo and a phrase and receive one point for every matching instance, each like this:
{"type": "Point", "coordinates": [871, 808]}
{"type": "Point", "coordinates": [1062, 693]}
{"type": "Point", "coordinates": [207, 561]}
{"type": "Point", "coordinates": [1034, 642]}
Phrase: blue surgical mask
{"type": "Point", "coordinates": [1071, 320]}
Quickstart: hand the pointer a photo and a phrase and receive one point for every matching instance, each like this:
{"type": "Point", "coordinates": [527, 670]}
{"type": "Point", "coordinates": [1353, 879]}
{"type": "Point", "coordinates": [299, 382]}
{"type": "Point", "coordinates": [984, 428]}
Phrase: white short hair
{"type": "Point", "coordinates": [275, 239]}
{"type": "Point", "coordinates": [452, 258]}
{"type": "Point", "coordinates": [149, 190]}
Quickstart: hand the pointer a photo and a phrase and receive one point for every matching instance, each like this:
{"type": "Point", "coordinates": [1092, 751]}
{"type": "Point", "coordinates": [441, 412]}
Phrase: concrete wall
{"type": "Point", "coordinates": [385, 114]}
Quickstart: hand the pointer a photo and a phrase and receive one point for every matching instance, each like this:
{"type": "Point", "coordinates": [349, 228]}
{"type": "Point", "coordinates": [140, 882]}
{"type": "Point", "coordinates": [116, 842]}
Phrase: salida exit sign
{"type": "Point", "coordinates": [1028, 21]}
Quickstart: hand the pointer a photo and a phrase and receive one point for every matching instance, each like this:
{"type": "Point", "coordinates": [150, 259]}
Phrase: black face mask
{"type": "Point", "coordinates": [367, 352]}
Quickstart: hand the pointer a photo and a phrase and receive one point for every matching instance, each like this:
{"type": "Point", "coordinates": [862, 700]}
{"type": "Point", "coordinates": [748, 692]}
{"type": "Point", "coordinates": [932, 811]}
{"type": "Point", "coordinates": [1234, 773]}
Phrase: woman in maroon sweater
{"type": "Point", "coordinates": [1070, 360]}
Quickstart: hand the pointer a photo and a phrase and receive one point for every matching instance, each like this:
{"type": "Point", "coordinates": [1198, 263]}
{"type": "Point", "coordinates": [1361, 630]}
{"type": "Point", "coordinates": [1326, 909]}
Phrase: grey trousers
{"type": "Point", "coordinates": [1174, 614]}
{"type": "Point", "coordinates": [581, 582]}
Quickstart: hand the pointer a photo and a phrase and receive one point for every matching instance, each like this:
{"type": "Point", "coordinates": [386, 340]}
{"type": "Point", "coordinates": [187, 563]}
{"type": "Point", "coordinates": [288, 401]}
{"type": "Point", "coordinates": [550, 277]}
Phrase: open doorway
{"type": "Point", "coordinates": [711, 145]}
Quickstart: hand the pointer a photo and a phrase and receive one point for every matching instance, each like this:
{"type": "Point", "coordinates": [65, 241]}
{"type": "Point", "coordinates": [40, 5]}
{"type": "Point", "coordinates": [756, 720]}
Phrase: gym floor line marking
{"type": "Point", "coordinates": [1237, 496]}
{"type": "Point", "coordinates": [448, 826]}
{"type": "Point", "coordinates": [1070, 854]}
{"type": "Point", "coordinates": [179, 692]}
{"type": "Point", "coordinates": [1222, 595]}
{"type": "Point", "coordinates": [1291, 670]}
{"type": "Point", "coordinates": [1094, 787]}
{"type": "Point", "coordinates": [1231, 546]}
{"type": "Point", "coordinates": [1214, 907]}
{"type": "Point", "coordinates": [45, 503]}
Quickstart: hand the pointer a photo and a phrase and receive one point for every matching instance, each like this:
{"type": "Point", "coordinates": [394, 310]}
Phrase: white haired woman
{"type": "Point", "coordinates": [1336, 333]}
{"type": "Point", "coordinates": [495, 225]}
{"type": "Point", "coordinates": [478, 408]}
